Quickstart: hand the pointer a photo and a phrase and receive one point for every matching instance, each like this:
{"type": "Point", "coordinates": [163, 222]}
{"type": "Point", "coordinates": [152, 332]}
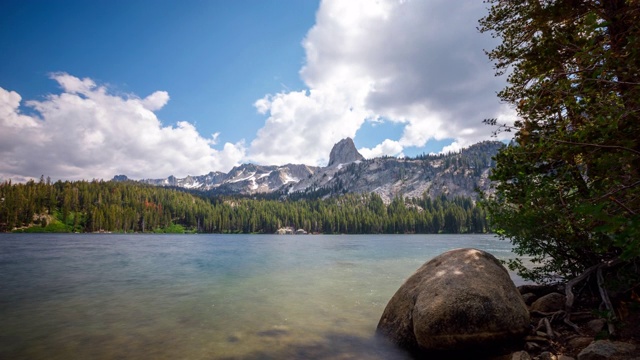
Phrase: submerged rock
{"type": "Point", "coordinates": [461, 301]}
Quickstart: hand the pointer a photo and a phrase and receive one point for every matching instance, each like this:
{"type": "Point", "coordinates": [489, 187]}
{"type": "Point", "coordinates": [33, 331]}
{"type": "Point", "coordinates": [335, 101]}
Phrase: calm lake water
{"type": "Point", "coordinates": [78, 296]}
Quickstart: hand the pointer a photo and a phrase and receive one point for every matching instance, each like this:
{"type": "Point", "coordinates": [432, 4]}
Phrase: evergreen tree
{"type": "Point", "coordinates": [568, 188]}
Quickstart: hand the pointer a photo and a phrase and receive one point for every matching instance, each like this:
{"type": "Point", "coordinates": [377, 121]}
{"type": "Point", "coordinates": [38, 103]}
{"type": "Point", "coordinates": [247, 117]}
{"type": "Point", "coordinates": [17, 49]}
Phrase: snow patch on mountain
{"type": "Point", "coordinates": [452, 174]}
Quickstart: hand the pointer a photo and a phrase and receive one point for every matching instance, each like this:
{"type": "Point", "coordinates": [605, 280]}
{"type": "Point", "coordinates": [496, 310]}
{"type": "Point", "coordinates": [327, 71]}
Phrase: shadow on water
{"type": "Point", "coordinates": [332, 346]}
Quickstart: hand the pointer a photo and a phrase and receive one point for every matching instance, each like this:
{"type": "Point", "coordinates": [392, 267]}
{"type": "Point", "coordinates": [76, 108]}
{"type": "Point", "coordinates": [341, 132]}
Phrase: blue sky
{"type": "Point", "coordinates": [90, 89]}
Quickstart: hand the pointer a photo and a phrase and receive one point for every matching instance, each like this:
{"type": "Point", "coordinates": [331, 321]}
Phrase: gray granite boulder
{"type": "Point", "coordinates": [461, 301]}
{"type": "Point", "coordinates": [605, 349]}
{"type": "Point", "coordinates": [549, 303]}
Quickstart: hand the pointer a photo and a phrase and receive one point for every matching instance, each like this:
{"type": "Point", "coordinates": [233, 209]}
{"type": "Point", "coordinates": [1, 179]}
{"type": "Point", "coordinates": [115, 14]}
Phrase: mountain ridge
{"type": "Point", "coordinates": [454, 174]}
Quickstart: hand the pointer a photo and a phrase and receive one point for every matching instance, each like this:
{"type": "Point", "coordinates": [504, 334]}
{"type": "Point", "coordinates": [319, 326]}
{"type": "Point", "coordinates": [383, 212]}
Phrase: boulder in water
{"type": "Point", "coordinates": [459, 302]}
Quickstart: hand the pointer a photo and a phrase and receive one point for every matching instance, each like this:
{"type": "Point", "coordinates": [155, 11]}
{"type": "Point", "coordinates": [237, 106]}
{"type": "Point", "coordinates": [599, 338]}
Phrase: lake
{"type": "Point", "coordinates": [108, 296]}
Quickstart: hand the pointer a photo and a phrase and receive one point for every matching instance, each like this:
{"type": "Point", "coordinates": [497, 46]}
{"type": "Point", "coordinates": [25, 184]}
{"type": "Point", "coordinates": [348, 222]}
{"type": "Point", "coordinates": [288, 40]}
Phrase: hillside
{"type": "Point", "coordinates": [457, 174]}
{"type": "Point", "coordinates": [454, 174]}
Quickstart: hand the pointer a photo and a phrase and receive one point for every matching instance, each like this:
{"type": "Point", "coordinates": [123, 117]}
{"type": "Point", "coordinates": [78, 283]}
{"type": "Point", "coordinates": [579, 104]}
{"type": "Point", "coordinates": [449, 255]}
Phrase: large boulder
{"type": "Point", "coordinates": [605, 349]}
{"type": "Point", "coordinates": [459, 302]}
{"type": "Point", "coordinates": [549, 303]}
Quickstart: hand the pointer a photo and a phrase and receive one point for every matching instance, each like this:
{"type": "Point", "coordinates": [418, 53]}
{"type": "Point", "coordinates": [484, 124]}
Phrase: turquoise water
{"type": "Point", "coordinates": [78, 296]}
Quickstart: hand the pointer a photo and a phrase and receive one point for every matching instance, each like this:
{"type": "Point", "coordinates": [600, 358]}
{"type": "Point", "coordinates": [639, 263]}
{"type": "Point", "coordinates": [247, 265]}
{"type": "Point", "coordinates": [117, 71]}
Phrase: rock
{"type": "Point", "coordinates": [120, 178]}
{"type": "Point", "coordinates": [549, 303]}
{"type": "Point", "coordinates": [596, 325]}
{"type": "Point", "coordinates": [462, 300]}
{"type": "Point", "coordinates": [579, 342]}
{"type": "Point", "coordinates": [529, 298]}
{"type": "Point", "coordinates": [344, 152]}
{"type": "Point", "coordinates": [540, 290]}
{"type": "Point", "coordinates": [605, 349]}
{"type": "Point", "coordinates": [233, 338]}
{"type": "Point", "coordinates": [520, 355]}
{"type": "Point", "coordinates": [531, 346]}
{"type": "Point", "coordinates": [545, 355]}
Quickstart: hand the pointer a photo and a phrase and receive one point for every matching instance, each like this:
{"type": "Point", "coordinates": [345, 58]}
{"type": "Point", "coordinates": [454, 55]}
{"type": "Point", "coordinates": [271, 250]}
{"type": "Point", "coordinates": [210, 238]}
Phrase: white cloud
{"type": "Point", "coordinates": [386, 148]}
{"type": "Point", "coordinates": [74, 85]}
{"type": "Point", "coordinates": [10, 116]}
{"type": "Point", "coordinates": [418, 63]}
{"type": "Point", "coordinates": [454, 147]}
{"type": "Point", "coordinates": [303, 126]}
{"type": "Point", "coordinates": [85, 132]}
{"type": "Point", "coordinates": [156, 101]}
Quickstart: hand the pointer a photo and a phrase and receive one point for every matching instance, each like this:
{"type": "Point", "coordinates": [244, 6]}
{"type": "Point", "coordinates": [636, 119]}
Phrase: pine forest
{"type": "Point", "coordinates": [108, 206]}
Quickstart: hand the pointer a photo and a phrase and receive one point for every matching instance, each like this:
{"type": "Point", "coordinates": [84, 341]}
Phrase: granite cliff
{"type": "Point", "coordinates": [454, 174]}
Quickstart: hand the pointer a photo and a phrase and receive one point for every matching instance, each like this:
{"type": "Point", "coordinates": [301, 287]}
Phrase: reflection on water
{"type": "Point", "coordinates": [206, 296]}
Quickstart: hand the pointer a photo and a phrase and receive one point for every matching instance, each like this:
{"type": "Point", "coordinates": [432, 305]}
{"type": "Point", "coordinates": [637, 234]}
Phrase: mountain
{"type": "Point", "coordinates": [454, 174]}
{"type": "Point", "coordinates": [243, 179]}
{"type": "Point", "coordinates": [344, 152]}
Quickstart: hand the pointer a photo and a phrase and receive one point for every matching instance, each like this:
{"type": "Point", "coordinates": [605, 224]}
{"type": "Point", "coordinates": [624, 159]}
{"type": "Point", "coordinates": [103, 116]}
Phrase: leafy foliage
{"type": "Point", "coordinates": [568, 188]}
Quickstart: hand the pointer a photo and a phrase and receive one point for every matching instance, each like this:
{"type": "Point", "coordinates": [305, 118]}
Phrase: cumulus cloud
{"type": "Point", "coordinates": [417, 63]}
{"type": "Point", "coordinates": [156, 101]}
{"type": "Point", "coordinates": [386, 148]}
{"type": "Point", "coordinates": [14, 127]}
{"type": "Point", "coordinates": [85, 132]}
{"type": "Point", "coordinates": [303, 126]}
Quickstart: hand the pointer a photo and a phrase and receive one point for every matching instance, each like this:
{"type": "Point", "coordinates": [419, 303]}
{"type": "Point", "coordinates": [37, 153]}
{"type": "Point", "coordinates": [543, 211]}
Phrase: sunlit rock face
{"type": "Point", "coordinates": [461, 302]}
{"type": "Point", "coordinates": [344, 152]}
{"type": "Point", "coordinates": [454, 174]}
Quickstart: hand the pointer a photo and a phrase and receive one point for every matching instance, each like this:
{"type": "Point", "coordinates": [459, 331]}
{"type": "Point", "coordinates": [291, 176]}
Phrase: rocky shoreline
{"type": "Point", "coordinates": [463, 305]}
{"type": "Point", "coordinates": [551, 338]}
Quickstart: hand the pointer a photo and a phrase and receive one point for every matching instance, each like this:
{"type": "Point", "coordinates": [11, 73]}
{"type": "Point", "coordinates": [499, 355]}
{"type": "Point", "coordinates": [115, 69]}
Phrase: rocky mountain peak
{"type": "Point", "coordinates": [120, 178]}
{"type": "Point", "coordinates": [344, 152]}
{"type": "Point", "coordinates": [454, 174]}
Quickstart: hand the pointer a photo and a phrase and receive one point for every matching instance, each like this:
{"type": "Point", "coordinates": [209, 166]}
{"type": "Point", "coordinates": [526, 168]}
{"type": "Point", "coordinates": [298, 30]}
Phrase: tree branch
{"type": "Point", "coordinates": [598, 145]}
{"type": "Point", "coordinates": [570, 284]}
{"type": "Point", "coordinates": [622, 205]}
{"type": "Point", "coordinates": [610, 193]}
{"type": "Point", "coordinates": [607, 302]}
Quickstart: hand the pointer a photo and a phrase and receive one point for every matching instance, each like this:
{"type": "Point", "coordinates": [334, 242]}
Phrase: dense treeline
{"type": "Point", "coordinates": [84, 206]}
{"type": "Point", "coordinates": [97, 206]}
